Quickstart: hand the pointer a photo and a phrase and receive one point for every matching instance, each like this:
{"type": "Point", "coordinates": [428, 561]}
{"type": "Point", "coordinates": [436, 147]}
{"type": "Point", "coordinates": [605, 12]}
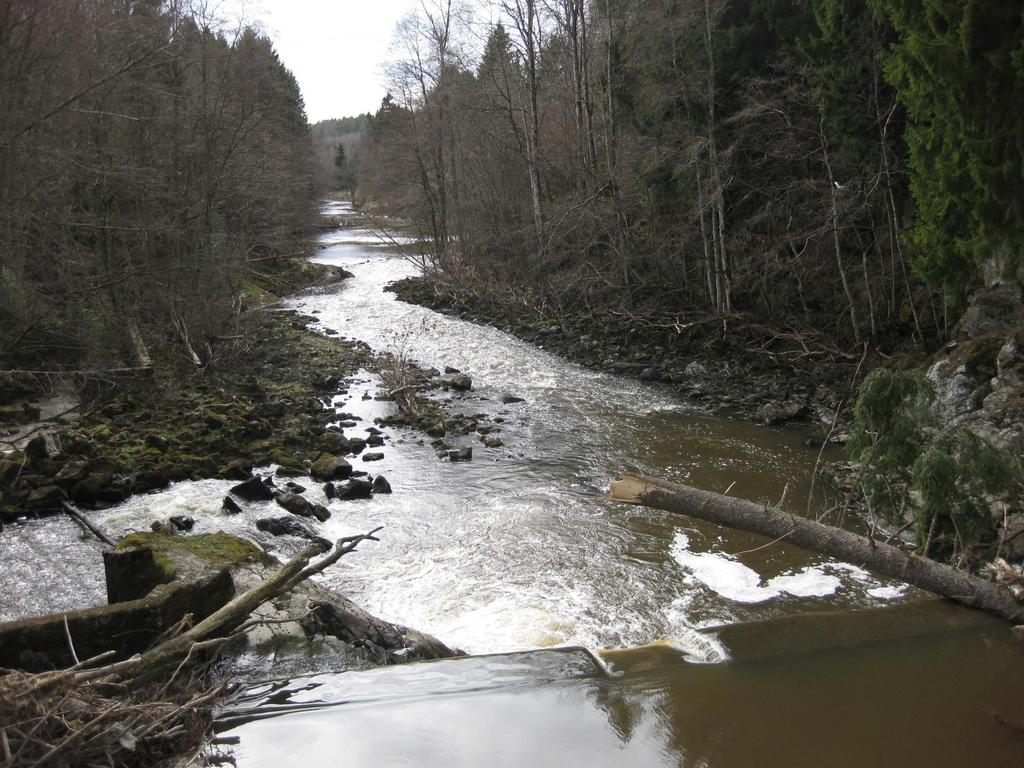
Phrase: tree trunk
{"type": "Point", "coordinates": [528, 29]}
{"type": "Point", "coordinates": [884, 559]}
{"type": "Point", "coordinates": [723, 271]}
{"type": "Point", "coordinates": [833, 189]}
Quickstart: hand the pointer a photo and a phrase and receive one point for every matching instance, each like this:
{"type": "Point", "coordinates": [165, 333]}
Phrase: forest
{"type": "Point", "coordinates": [151, 162]}
{"type": "Point", "coordinates": [766, 260]}
{"type": "Point", "coordinates": [837, 169]}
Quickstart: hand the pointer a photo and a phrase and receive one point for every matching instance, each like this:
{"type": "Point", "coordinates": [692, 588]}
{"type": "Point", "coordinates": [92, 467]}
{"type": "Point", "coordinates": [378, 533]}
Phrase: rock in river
{"type": "Point", "coordinates": [45, 499]}
{"type": "Point", "coordinates": [253, 489]}
{"type": "Point", "coordinates": [281, 526]}
{"type": "Point", "coordinates": [297, 505]}
{"type": "Point", "coordinates": [329, 467]}
{"type": "Point", "coordinates": [230, 506]}
{"type": "Point", "coordinates": [461, 454]}
{"type": "Point", "coordinates": [460, 381]}
{"type": "Point", "coordinates": [354, 489]}
{"type": "Point", "coordinates": [381, 484]}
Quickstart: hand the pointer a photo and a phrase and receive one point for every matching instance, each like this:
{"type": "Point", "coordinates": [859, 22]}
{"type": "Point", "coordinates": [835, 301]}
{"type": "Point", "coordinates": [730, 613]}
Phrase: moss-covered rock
{"type": "Point", "coordinates": [172, 553]}
{"type": "Point", "coordinates": [329, 467]}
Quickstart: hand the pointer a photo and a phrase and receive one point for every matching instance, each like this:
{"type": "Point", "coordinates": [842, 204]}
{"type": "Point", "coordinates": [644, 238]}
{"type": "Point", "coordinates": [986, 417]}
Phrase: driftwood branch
{"type": "Point", "coordinates": [86, 523]}
{"type": "Point", "coordinates": [227, 619]}
{"type": "Point", "coordinates": [876, 556]}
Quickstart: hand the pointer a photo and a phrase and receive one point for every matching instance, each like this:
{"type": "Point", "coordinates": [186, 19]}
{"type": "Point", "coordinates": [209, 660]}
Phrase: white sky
{"type": "Point", "coordinates": [335, 48]}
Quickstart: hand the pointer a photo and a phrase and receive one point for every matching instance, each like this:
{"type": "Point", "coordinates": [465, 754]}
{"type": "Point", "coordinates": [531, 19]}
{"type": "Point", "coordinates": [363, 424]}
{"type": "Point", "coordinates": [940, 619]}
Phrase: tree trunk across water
{"type": "Point", "coordinates": [876, 556]}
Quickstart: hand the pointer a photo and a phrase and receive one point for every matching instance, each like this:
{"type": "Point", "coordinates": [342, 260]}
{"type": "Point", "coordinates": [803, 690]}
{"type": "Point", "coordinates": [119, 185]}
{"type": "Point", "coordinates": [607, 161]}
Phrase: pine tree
{"type": "Point", "coordinates": [959, 69]}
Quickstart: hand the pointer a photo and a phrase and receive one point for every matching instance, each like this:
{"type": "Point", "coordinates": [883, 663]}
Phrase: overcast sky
{"type": "Point", "coordinates": [335, 48]}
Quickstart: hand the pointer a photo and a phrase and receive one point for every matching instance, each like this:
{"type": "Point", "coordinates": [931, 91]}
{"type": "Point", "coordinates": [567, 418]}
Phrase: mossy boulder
{"type": "Point", "coordinates": [329, 467]}
{"type": "Point", "coordinates": [333, 442]}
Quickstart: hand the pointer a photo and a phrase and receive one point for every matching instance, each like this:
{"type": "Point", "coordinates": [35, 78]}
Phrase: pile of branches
{"type": "Point", "coordinates": [404, 382]}
{"type": "Point", "coordinates": [154, 709]}
{"type": "Point", "coordinates": [94, 718]}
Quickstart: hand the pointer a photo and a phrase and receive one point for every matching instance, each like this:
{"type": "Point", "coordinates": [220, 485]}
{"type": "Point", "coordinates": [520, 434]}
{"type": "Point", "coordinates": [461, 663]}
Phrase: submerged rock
{"type": "Point", "coordinates": [779, 413]}
{"type": "Point", "coordinates": [461, 454]}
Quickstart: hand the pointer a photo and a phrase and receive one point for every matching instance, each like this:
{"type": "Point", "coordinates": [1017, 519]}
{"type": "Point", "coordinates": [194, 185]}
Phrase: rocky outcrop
{"type": "Point", "coordinates": [979, 385]}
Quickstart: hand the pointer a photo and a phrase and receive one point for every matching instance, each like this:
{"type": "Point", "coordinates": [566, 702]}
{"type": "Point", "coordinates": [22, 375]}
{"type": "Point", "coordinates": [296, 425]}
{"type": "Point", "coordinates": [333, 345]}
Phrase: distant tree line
{"type": "Point", "coordinates": [337, 149]}
{"type": "Point", "coordinates": [151, 162]}
{"type": "Point", "coordinates": [834, 164]}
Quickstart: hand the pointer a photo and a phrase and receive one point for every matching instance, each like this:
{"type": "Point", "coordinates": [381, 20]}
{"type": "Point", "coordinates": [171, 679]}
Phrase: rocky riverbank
{"type": "Point", "coordinates": [264, 405]}
{"type": "Point", "coordinates": [760, 374]}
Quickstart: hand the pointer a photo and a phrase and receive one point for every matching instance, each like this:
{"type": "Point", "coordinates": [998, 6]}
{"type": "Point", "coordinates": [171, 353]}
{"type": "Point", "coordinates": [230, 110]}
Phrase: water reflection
{"type": "Point", "coordinates": [941, 699]}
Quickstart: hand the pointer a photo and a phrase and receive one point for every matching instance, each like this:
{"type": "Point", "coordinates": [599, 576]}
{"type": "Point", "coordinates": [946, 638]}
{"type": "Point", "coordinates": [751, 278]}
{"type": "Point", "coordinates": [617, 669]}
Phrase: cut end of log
{"type": "Point", "coordinates": [628, 488]}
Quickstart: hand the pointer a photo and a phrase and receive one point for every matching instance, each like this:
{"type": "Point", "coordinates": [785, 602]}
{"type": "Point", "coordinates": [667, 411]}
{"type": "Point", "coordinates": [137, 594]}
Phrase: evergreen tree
{"type": "Point", "coordinates": [959, 69]}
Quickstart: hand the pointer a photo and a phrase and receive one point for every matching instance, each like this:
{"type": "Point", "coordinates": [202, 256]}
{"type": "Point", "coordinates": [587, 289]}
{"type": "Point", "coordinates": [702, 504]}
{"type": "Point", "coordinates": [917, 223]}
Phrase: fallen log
{"type": "Point", "coordinates": [876, 556]}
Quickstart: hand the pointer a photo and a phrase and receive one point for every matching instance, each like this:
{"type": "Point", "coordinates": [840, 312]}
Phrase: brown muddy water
{"type": "Point", "coordinates": [604, 634]}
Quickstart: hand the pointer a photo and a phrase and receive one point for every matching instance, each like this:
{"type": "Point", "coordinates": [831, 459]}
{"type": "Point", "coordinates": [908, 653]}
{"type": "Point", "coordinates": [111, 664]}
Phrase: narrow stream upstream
{"type": "Point", "coordinates": [723, 652]}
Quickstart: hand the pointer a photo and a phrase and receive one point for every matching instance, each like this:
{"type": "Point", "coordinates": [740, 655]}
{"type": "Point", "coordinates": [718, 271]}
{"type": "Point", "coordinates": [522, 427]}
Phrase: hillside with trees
{"type": "Point", "coordinates": [151, 163]}
{"type": "Point", "coordinates": [757, 203]}
{"type": "Point", "coordinates": [833, 168]}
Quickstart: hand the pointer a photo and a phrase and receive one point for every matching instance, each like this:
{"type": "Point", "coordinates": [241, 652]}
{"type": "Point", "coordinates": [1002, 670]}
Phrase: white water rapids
{"type": "Point", "coordinates": [515, 549]}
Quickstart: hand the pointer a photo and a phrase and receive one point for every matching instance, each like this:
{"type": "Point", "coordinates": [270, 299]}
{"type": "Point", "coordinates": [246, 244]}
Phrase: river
{"type": "Point", "coordinates": [711, 648]}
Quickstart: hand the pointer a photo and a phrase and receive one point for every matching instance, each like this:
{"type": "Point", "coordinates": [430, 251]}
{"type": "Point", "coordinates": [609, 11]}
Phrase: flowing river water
{"type": "Point", "coordinates": [669, 641]}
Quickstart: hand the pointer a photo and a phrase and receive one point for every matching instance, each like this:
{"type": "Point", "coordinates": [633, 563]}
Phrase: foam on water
{"type": "Point", "coordinates": [731, 579]}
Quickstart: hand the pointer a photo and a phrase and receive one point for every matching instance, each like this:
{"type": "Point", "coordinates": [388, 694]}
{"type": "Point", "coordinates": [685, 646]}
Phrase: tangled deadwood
{"type": "Point", "coordinates": [154, 709]}
{"type": "Point", "coordinates": [92, 717]}
{"type": "Point", "coordinates": [403, 382]}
